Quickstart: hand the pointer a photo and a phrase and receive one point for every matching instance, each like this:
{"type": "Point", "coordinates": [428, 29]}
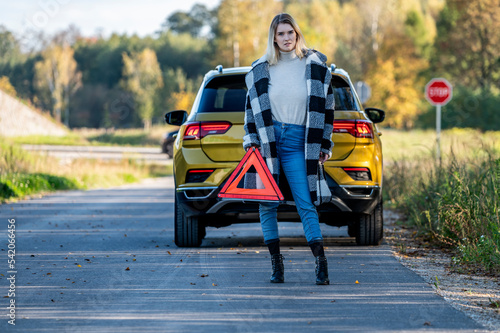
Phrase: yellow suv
{"type": "Point", "coordinates": [209, 146]}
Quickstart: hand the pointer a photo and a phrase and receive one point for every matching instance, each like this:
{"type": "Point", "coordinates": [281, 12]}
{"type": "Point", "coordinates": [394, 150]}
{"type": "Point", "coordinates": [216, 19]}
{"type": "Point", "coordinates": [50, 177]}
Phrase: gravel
{"type": "Point", "coordinates": [478, 296]}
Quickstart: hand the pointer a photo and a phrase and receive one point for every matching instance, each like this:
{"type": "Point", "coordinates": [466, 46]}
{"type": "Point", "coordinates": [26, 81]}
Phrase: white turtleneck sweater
{"type": "Point", "coordinates": [288, 89]}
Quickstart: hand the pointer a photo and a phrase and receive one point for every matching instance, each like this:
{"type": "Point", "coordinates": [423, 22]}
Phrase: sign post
{"type": "Point", "coordinates": [438, 92]}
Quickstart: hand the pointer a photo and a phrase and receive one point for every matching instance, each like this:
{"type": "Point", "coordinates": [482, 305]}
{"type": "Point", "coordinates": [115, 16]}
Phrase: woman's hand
{"type": "Point", "coordinates": [253, 147]}
{"type": "Point", "coordinates": [323, 157]}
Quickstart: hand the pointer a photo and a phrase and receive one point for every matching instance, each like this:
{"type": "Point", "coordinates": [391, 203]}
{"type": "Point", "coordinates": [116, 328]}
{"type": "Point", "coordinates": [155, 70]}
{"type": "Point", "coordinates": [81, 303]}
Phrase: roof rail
{"type": "Point", "coordinates": [333, 67]}
{"type": "Point", "coordinates": [219, 69]}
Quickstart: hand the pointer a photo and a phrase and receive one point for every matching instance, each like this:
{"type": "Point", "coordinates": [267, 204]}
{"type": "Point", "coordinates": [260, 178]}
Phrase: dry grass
{"type": "Point", "coordinates": [23, 173]}
{"type": "Point", "coordinates": [398, 145]}
{"type": "Point", "coordinates": [455, 201]}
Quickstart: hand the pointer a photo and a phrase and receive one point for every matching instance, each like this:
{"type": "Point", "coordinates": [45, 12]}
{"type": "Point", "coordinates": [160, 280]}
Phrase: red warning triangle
{"type": "Point", "coordinates": [270, 192]}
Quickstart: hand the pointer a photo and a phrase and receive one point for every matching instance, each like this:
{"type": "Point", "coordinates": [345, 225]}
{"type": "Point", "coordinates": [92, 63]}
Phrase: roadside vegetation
{"type": "Point", "coordinates": [101, 137]}
{"type": "Point", "coordinates": [453, 203]}
{"type": "Point", "coordinates": [25, 174]}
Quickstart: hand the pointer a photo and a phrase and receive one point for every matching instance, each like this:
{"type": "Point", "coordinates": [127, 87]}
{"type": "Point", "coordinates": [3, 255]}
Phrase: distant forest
{"type": "Point", "coordinates": [396, 46]}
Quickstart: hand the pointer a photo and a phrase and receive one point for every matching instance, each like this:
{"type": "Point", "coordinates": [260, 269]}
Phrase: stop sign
{"type": "Point", "coordinates": [438, 91]}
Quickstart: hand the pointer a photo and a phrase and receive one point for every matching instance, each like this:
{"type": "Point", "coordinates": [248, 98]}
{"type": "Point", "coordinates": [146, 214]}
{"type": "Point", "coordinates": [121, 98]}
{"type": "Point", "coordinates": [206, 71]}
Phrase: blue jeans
{"type": "Point", "coordinates": [290, 145]}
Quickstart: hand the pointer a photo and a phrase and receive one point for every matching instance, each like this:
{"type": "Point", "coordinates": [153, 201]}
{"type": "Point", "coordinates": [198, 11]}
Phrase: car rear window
{"type": "Point", "coordinates": [344, 99]}
{"type": "Point", "coordinates": [227, 94]}
{"type": "Point", "coordinates": [224, 94]}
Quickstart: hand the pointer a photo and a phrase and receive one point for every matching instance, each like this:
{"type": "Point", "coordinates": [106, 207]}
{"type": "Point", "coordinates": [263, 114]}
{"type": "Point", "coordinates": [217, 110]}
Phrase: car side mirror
{"type": "Point", "coordinates": [176, 118]}
{"type": "Point", "coordinates": [375, 115]}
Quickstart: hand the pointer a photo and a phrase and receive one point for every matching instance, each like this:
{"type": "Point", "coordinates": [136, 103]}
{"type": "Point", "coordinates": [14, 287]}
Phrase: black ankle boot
{"type": "Point", "coordinates": [278, 269]}
{"type": "Point", "coordinates": [322, 270]}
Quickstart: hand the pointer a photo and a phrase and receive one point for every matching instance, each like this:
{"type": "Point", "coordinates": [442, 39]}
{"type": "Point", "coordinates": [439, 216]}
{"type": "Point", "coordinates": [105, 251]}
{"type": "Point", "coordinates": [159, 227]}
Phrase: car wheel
{"type": "Point", "coordinates": [370, 227]}
{"type": "Point", "coordinates": [189, 232]}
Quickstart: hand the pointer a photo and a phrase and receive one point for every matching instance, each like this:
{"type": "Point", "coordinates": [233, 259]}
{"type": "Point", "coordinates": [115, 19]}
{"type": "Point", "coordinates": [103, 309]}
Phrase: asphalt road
{"type": "Point", "coordinates": [105, 260]}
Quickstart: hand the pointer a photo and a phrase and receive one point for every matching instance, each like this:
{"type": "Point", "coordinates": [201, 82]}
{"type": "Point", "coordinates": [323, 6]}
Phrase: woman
{"type": "Point", "coordinates": [289, 116]}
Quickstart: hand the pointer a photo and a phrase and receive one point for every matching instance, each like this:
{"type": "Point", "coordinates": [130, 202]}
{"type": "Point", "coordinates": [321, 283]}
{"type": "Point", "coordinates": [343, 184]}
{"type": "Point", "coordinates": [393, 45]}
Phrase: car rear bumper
{"type": "Point", "coordinates": [203, 202]}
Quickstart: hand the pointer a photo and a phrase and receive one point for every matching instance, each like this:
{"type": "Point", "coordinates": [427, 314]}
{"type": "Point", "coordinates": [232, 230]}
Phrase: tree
{"type": "Point", "coordinates": [315, 21]}
{"type": "Point", "coordinates": [468, 42]}
{"type": "Point", "coordinates": [396, 81]}
{"type": "Point", "coordinates": [243, 28]}
{"type": "Point", "coordinates": [6, 87]}
{"type": "Point", "coordinates": [10, 50]}
{"type": "Point", "coordinates": [142, 77]}
{"type": "Point", "coordinates": [192, 22]}
{"type": "Point", "coordinates": [57, 72]}
{"type": "Point", "coordinates": [180, 91]}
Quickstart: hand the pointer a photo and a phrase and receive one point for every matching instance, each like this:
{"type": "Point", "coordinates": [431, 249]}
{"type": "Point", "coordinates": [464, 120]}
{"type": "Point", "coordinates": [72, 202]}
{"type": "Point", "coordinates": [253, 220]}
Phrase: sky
{"type": "Point", "coordinates": [141, 17]}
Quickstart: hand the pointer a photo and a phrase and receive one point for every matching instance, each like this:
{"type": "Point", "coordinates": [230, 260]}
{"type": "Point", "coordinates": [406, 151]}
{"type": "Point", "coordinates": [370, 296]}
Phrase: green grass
{"type": "Point", "coordinates": [101, 137]}
{"type": "Point", "coordinates": [456, 201]}
{"type": "Point", "coordinates": [25, 174]}
{"type": "Point", "coordinates": [71, 139]}
{"type": "Point", "coordinates": [19, 185]}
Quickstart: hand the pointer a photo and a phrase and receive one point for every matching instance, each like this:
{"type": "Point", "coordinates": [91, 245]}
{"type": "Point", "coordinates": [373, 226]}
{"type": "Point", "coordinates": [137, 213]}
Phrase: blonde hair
{"type": "Point", "coordinates": [272, 52]}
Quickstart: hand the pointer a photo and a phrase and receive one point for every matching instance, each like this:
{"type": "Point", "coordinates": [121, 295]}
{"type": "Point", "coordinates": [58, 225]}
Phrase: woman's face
{"type": "Point", "coordinates": [285, 37]}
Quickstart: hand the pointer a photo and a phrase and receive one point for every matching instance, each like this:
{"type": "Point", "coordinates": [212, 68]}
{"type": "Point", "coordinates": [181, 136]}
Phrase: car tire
{"type": "Point", "coordinates": [189, 232]}
{"type": "Point", "coordinates": [370, 229]}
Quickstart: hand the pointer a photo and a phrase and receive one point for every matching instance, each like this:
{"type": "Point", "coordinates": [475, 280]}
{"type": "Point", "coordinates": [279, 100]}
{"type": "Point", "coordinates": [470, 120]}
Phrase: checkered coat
{"type": "Point", "coordinates": [319, 121]}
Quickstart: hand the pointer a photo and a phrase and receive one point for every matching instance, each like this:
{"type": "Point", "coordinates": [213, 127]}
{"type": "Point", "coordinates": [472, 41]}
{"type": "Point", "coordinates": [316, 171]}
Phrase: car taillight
{"type": "Point", "coordinates": [198, 175]}
{"type": "Point", "coordinates": [192, 132]}
{"type": "Point", "coordinates": [358, 173]}
{"type": "Point", "coordinates": [208, 128]}
{"type": "Point", "coordinates": [196, 131]}
{"type": "Point", "coordinates": [357, 128]}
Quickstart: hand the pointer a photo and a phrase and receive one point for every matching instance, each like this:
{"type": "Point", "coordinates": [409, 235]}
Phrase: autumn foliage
{"type": "Point", "coordinates": [395, 46]}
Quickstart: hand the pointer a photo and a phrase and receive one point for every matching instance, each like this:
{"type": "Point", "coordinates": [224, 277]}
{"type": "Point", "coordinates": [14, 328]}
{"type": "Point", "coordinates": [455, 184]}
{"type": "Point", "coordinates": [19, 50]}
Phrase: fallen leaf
{"type": "Point", "coordinates": [127, 269]}
{"type": "Point", "coordinates": [214, 284]}
{"type": "Point", "coordinates": [427, 323]}
{"type": "Point", "coordinates": [204, 275]}
{"type": "Point", "coordinates": [134, 259]}
{"type": "Point", "coordinates": [79, 265]}
{"type": "Point", "coordinates": [357, 282]}
{"type": "Point", "coordinates": [169, 253]}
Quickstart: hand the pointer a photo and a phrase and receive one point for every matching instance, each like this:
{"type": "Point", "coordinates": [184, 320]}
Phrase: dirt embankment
{"type": "Point", "coordinates": [18, 119]}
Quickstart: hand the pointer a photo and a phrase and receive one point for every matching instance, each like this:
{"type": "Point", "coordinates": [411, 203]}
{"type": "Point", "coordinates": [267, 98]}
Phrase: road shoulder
{"type": "Point", "coordinates": [477, 296]}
